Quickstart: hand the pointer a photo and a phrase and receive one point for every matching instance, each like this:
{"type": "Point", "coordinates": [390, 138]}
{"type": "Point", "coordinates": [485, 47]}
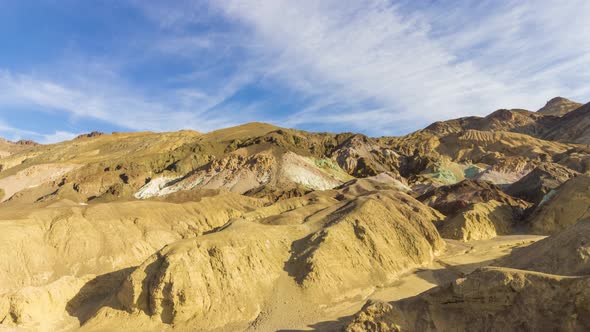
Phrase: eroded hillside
{"type": "Point", "coordinates": [261, 228]}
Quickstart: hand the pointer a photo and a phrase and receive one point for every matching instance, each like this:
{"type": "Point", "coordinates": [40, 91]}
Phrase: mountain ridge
{"type": "Point", "coordinates": [258, 227]}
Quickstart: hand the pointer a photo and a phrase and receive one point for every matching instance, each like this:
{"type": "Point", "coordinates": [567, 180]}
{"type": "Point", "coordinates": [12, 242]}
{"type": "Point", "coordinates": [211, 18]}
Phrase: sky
{"type": "Point", "coordinates": [372, 66]}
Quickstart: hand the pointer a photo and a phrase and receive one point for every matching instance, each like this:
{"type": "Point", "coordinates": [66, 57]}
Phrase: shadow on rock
{"type": "Point", "coordinates": [96, 294]}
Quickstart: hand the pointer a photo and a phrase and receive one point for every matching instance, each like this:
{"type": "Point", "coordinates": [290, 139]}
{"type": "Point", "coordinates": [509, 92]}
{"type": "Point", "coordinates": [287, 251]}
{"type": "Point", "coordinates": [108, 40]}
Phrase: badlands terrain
{"type": "Point", "coordinates": [476, 223]}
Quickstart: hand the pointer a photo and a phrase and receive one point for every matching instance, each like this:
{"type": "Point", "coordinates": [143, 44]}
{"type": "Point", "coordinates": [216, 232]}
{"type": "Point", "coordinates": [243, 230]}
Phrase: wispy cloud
{"type": "Point", "coordinates": [378, 66]}
{"type": "Point", "coordinates": [58, 136]}
{"type": "Point", "coordinates": [117, 104]}
{"type": "Point", "coordinates": [16, 134]}
{"type": "Point", "coordinates": [423, 63]}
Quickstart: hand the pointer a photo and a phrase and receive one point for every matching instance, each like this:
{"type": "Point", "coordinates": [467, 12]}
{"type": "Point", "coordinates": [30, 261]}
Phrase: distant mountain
{"type": "Point", "coordinates": [90, 135]}
{"type": "Point", "coordinates": [561, 120]}
{"type": "Point", "coordinates": [510, 120]}
{"type": "Point", "coordinates": [559, 106]}
{"type": "Point", "coordinates": [574, 127]}
{"type": "Point", "coordinates": [8, 148]}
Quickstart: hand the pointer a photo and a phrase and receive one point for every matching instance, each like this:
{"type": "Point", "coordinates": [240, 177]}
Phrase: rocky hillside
{"type": "Point", "coordinates": [573, 127]}
{"type": "Point", "coordinates": [262, 228]}
{"type": "Point", "coordinates": [559, 106]}
{"type": "Point", "coordinates": [550, 276]}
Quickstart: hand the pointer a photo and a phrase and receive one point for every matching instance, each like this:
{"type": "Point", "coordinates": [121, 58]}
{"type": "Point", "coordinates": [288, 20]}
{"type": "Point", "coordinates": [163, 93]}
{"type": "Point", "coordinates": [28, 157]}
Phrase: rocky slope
{"type": "Point", "coordinates": [559, 106]}
{"type": "Point", "coordinates": [261, 228]}
{"type": "Point", "coordinates": [573, 127]}
{"type": "Point", "coordinates": [489, 299]}
{"type": "Point", "coordinates": [562, 207]}
{"type": "Point", "coordinates": [540, 181]}
{"type": "Point", "coordinates": [540, 287]}
{"type": "Point", "coordinates": [228, 277]}
{"type": "Point", "coordinates": [8, 148]}
{"type": "Point", "coordinates": [557, 121]}
{"type": "Point", "coordinates": [225, 277]}
{"type": "Point", "coordinates": [565, 253]}
{"type": "Point", "coordinates": [475, 210]}
{"type": "Point", "coordinates": [480, 221]}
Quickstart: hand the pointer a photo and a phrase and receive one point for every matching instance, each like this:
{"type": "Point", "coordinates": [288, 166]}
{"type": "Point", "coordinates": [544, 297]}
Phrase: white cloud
{"type": "Point", "coordinates": [58, 136]}
{"type": "Point", "coordinates": [373, 65]}
{"type": "Point", "coordinates": [15, 134]}
{"type": "Point", "coordinates": [118, 104]}
{"type": "Point", "coordinates": [421, 65]}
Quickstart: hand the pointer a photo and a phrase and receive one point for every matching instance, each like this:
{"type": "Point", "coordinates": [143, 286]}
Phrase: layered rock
{"type": "Point", "coordinates": [240, 173]}
{"type": "Point", "coordinates": [540, 181]}
{"type": "Point", "coordinates": [480, 221]}
{"type": "Point", "coordinates": [514, 120]}
{"type": "Point", "coordinates": [361, 156]}
{"type": "Point", "coordinates": [573, 127]}
{"type": "Point", "coordinates": [451, 199]}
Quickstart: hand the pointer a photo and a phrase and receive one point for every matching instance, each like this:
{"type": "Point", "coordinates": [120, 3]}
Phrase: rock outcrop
{"type": "Point", "coordinates": [475, 210]}
{"type": "Point", "coordinates": [540, 181]}
{"type": "Point", "coordinates": [574, 127]}
{"type": "Point", "coordinates": [211, 281]}
{"type": "Point", "coordinates": [565, 253]}
{"type": "Point", "coordinates": [90, 135]}
{"type": "Point", "coordinates": [381, 235]}
{"type": "Point", "coordinates": [480, 221]}
{"type": "Point", "coordinates": [562, 207]}
{"type": "Point", "coordinates": [451, 199]}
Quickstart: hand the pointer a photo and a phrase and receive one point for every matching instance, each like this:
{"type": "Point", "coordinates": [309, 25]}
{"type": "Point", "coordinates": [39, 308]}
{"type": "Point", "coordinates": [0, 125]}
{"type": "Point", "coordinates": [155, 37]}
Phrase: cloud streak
{"type": "Point", "coordinates": [378, 66]}
{"type": "Point", "coordinates": [16, 134]}
{"type": "Point", "coordinates": [485, 55]}
{"type": "Point", "coordinates": [119, 105]}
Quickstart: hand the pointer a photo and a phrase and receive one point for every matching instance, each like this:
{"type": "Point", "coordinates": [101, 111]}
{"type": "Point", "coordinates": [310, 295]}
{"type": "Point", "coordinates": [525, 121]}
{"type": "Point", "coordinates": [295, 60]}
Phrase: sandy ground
{"type": "Point", "coordinates": [459, 259]}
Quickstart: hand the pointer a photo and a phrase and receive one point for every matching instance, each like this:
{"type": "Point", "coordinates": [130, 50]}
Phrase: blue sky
{"type": "Point", "coordinates": [372, 66]}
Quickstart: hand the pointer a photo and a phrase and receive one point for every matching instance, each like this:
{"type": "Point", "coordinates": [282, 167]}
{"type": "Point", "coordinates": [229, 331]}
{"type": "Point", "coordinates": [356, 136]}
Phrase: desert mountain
{"type": "Point", "coordinates": [262, 228]}
{"type": "Point", "coordinates": [292, 243]}
{"type": "Point", "coordinates": [559, 106]}
{"type": "Point", "coordinates": [8, 147]}
{"type": "Point", "coordinates": [513, 120]}
{"type": "Point", "coordinates": [573, 127]}
{"type": "Point", "coordinates": [475, 210]}
{"type": "Point", "coordinates": [560, 120]}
